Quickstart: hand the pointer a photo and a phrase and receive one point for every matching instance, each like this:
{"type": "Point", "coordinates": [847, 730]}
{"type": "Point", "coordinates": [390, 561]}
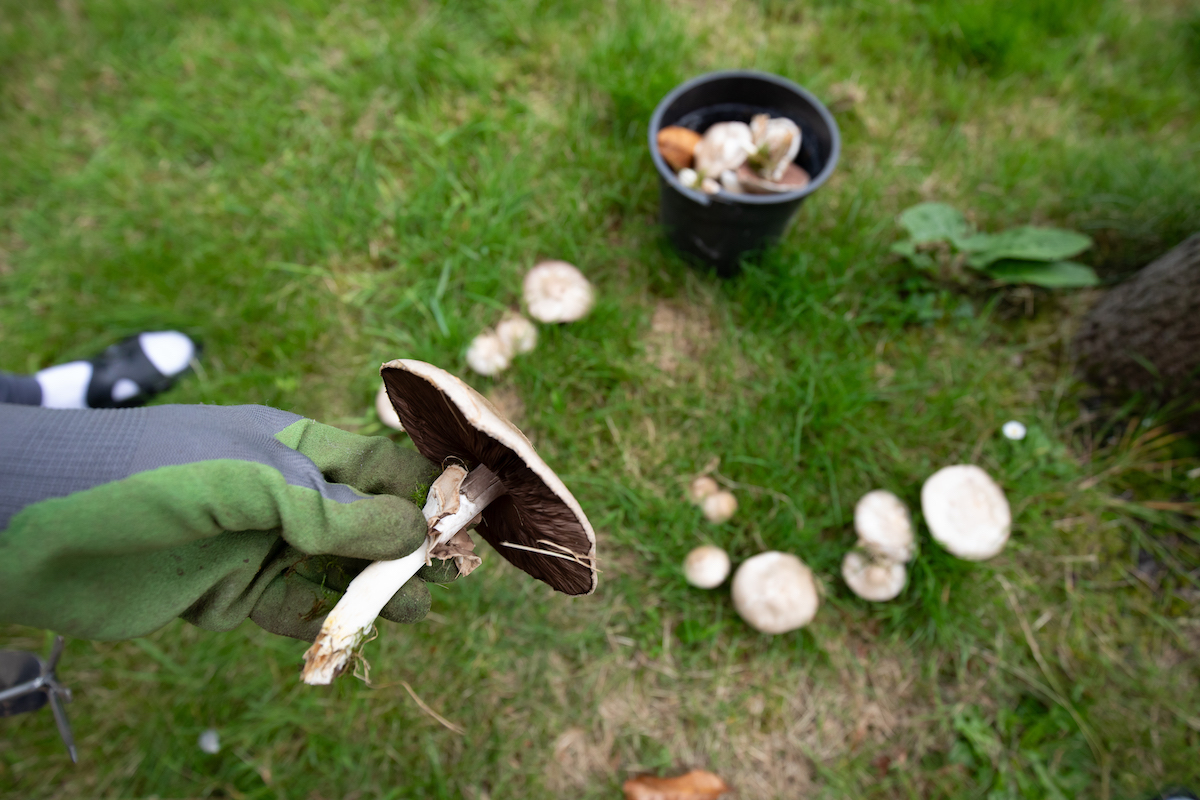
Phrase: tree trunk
{"type": "Point", "coordinates": [1144, 335]}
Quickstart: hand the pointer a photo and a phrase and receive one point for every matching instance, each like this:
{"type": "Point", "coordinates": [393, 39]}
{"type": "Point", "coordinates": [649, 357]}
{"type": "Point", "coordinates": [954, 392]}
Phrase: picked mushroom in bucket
{"type": "Point", "coordinates": [493, 479]}
{"type": "Point", "coordinates": [758, 158]}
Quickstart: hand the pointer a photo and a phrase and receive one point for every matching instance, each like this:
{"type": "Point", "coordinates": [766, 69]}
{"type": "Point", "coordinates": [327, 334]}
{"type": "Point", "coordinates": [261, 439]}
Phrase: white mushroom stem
{"type": "Point", "coordinates": [455, 501]}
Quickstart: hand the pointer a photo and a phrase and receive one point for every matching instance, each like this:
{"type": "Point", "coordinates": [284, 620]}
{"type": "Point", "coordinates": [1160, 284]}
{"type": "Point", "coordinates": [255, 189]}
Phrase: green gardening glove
{"type": "Point", "coordinates": [114, 522]}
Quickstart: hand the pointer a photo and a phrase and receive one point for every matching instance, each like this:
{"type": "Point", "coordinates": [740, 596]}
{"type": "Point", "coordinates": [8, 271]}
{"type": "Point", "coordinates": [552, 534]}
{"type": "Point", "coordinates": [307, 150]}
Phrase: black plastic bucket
{"type": "Point", "coordinates": [721, 229]}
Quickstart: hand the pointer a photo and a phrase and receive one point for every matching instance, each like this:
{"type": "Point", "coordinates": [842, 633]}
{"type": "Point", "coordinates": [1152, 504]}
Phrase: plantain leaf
{"type": "Point", "coordinates": [1054, 275]}
{"type": "Point", "coordinates": [1026, 243]}
{"type": "Point", "coordinates": [934, 222]}
{"type": "Point", "coordinates": [908, 249]}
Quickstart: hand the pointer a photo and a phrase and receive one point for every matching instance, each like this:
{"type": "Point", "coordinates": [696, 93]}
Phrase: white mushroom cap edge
{"type": "Point", "coordinates": [966, 511]}
{"type": "Point", "coordinates": [775, 592]}
{"type": "Point", "coordinates": [556, 291]}
{"type": "Point", "coordinates": [877, 580]}
{"type": "Point", "coordinates": [706, 567]}
{"type": "Point", "coordinates": [884, 526]}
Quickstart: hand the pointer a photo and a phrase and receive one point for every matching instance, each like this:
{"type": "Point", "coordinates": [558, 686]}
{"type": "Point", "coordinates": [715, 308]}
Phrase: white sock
{"type": "Point", "coordinates": [65, 386]}
{"type": "Point", "coordinates": [169, 351]}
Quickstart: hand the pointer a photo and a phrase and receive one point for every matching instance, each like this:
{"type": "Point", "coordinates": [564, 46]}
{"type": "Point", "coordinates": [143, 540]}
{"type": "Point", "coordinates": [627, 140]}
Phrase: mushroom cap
{"type": "Point", "coordinates": [449, 421]}
{"type": "Point", "coordinates": [792, 179]}
{"type": "Point", "coordinates": [775, 592]}
{"type": "Point", "coordinates": [780, 137]}
{"type": "Point", "coordinates": [556, 291]}
{"type": "Point", "coordinates": [884, 526]}
{"type": "Point", "coordinates": [966, 512]}
{"type": "Point", "coordinates": [518, 334]}
{"type": "Point", "coordinates": [677, 145]}
{"type": "Point", "coordinates": [383, 407]}
{"type": "Point", "coordinates": [878, 580]}
{"type": "Point", "coordinates": [488, 354]}
{"type": "Point", "coordinates": [719, 506]}
{"type": "Point", "coordinates": [702, 486]}
{"type": "Point", "coordinates": [725, 145]}
{"type": "Point", "coordinates": [706, 567]}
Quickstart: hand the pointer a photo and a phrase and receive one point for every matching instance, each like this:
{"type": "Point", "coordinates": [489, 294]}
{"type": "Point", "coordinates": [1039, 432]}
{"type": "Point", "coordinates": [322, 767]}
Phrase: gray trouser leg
{"type": "Point", "coordinates": [20, 389]}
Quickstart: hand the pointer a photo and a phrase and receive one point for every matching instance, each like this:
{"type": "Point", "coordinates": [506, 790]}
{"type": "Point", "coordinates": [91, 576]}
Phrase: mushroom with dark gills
{"type": "Point", "coordinates": [493, 478]}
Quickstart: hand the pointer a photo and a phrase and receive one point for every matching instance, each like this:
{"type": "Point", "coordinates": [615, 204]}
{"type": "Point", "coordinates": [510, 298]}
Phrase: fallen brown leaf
{"type": "Point", "coordinates": [696, 785]}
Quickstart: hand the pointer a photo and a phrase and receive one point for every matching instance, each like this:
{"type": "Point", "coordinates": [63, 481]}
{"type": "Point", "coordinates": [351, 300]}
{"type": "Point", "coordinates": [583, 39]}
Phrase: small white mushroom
{"type": "Point", "coordinates": [884, 527]}
{"type": "Point", "coordinates": [706, 567]}
{"type": "Point", "coordinates": [702, 486]}
{"type": "Point", "coordinates": [775, 592]}
{"type": "Point", "coordinates": [776, 142]}
{"type": "Point", "coordinates": [518, 334]}
{"type": "Point", "coordinates": [725, 145]}
{"type": "Point", "coordinates": [385, 410]}
{"type": "Point", "coordinates": [966, 512]}
{"type": "Point", "coordinates": [487, 354]}
{"type": "Point", "coordinates": [730, 182]}
{"type": "Point", "coordinates": [556, 291]}
{"type": "Point", "coordinates": [689, 178]}
{"type": "Point", "coordinates": [878, 580]}
{"type": "Point", "coordinates": [719, 506]}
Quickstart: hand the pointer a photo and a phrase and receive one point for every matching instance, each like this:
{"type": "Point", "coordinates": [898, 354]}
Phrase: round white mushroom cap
{"type": "Point", "coordinates": [487, 354]}
{"type": "Point", "coordinates": [966, 512]}
{"type": "Point", "coordinates": [385, 410]}
{"type": "Point", "coordinates": [884, 526]}
{"type": "Point", "coordinates": [775, 592]}
{"type": "Point", "coordinates": [725, 145]}
{"type": "Point", "coordinates": [719, 506]}
{"type": "Point", "coordinates": [556, 291]}
{"type": "Point", "coordinates": [518, 334]}
{"type": "Point", "coordinates": [878, 580]}
{"type": "Point", "coordinates": [706, 567]}
{"type": "Point", "coordinates": [702, 486]}
{"type": "Point", "coordinates": [780, 138]}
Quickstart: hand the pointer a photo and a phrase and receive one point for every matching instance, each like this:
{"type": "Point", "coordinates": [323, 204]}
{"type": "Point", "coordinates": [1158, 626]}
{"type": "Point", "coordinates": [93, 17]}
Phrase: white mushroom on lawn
{"type": "Point", "coordinates": [706, 567]}
{"type": "Point", "coordinates": [876, 570]}
{"type": "Point", "coordinates": [717, 504]}
{"type": "Point", "coordinates": [517, 334]}
{"type": "Point", "coordinates": [775, 592]}
{"type": "Point", "coordinates": [702, 486]}
{"type": "Point", "coordinates": [487, 354]}
{"type": "Point", "coordinates": [492, 478]}
{"type": "Point", "coordinates": [492, 351]}
{"type": "Point", "coordinates": [556, 291]}
{"type": "Point", "coordinates": [967, 513]}
{"type": "Point", "coordinates": [719, 507]}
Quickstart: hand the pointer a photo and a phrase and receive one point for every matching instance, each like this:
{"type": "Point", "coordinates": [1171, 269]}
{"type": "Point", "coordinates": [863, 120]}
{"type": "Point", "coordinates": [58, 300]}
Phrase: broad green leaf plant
{"type": "Point", "coordinates": [1026, 254]}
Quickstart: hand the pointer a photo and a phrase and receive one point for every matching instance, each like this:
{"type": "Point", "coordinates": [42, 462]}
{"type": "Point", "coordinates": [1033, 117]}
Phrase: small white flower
{"type": "Point", "coordinates": [210, 741]}
{"type": "Point", "coordinates": [1013, 430]}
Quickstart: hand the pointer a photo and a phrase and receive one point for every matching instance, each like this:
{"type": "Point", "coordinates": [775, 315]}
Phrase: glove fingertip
{"type": "Point", "coordinates": [439, 571]}
{"type": "Point", "coordinates": [408, 605]}
{"type": "Point", "coordinates": [377, 528]}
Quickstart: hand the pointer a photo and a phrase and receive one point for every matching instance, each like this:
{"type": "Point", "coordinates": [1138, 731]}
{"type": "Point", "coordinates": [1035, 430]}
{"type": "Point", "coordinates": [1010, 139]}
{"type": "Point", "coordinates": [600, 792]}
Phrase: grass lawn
{"type": "Point", "coordinates": [311, 188]}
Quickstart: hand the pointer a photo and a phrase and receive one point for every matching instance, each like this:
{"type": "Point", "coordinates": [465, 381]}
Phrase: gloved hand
{"type": "Point", "coordinates": [114, 522]}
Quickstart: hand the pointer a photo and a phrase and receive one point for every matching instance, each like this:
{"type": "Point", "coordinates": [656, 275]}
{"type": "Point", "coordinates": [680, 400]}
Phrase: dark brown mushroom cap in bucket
{"type": "Point", "coordinates": [449, 421]}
